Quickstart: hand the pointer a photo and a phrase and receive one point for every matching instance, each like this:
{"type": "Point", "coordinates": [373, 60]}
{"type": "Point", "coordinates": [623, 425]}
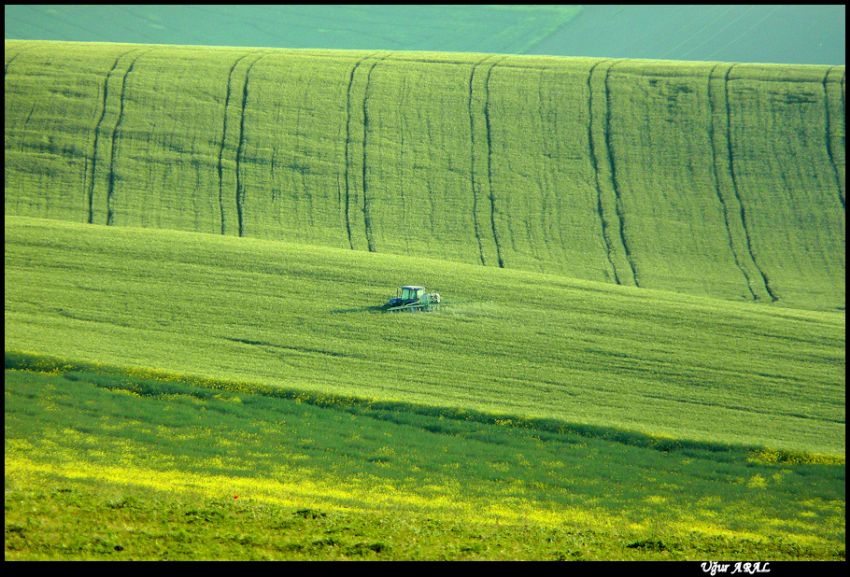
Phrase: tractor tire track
{"type": "Point", "coordinates": [91, 180]}
{"type": "Point", "coordinates": [223, 141]}
{"type": "Point", "coordinates": [240, 186]}
{"type": "Point", "coordinates": [734, 178]}
{"type": "Point", "coordinates": [8, 63]}
{"type": "Point", "coordinates": [475, 186]}
{"type": "Point", "coordinates": [110, 191]}
{"type": "Point", "coordinates": [716, 176]}
{"type": "Point", "coordinates": [367, 215]}
{"type": "Point", "coordinates": [488, 125]}
{"type": "Point", "coordinates": [838, 180]}
{"type": "Point", "coordinates": [594, 161]}
{"type": "Point", "coordinates": [619, 200]}
{"type": "Point", "coordinates": [348, 147]}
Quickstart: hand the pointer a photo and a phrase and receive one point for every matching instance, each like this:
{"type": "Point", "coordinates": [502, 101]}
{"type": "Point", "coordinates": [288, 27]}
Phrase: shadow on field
{"type": "Point", "coordinates": [372, 309]}
{"type": "Point", "coordinates": [157, 383]}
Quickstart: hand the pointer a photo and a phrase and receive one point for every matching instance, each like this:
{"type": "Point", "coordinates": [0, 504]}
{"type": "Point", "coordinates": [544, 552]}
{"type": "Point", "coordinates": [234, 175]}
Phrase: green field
{"type": "Point", "coordinates": [640, 352]}
{"type": "Point", "coordinates": [248, 476]}
{"type": "Point", "coordinates": [587, 168]}
{"type": "Point", "coordinates": [680, 432]}
{"type": "Point", "coordinates": [790, 34]}
{"type": "Point", "coordinates": [300, 317]}
{"type": "Point", "coordinates": [510, 29]}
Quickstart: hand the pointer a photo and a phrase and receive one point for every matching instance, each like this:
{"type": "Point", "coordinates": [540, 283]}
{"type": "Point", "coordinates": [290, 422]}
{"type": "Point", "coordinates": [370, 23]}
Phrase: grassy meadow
{"type": "Point", "coordinates": [241, 475]}
{"type": "Point", "coordinates": [508, 342]}
{"type": "Point", "coordinates": [640, 353]}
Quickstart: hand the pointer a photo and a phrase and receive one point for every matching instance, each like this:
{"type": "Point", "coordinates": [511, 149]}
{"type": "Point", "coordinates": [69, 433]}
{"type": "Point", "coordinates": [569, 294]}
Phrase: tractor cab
{"type": "Point", "coordinates": [411, 293]}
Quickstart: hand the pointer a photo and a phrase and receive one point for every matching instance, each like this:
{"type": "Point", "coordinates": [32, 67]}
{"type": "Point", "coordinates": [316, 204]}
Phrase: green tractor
{"type": "Point", "coordinates": [412, 298]}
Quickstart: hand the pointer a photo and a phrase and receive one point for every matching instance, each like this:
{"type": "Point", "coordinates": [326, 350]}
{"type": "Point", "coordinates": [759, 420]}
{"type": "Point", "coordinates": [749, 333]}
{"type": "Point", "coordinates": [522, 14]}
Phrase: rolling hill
{"type": "Point", "coordinates": [788, 34]}
{"type": "Point", "coordinates": [531, 417]}
{"type": "Point", "coordinates": [640, 352]}
{"type": "Point", "coordinates": [674, 176]}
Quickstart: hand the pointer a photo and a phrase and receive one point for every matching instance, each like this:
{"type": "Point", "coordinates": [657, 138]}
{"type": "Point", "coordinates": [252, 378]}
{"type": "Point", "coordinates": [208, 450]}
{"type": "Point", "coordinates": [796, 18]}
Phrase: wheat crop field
{"type": "Point", "coordinates": [639, 353]}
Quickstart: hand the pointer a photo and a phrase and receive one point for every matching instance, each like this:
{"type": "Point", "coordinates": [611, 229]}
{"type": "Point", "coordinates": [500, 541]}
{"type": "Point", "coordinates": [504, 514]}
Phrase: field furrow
{"type": "Point", "coordinates": [618, 205]}
{"type": "Point", "coordinates": [594, 161]}
{"type": "Point", "coordinates": [349, 201]}
{"type": "Point", "coordinates": [719, 149]}
{"type": "Point", "coordinates": [110, 188]}
{"type": "Point", "coordinates": [475, 186]}
{"type": "Point", "coordinates": [227, 95]}
{"type": "Point", "coordinates": [838, 148]}
{"type": "Point", "coordinates": [568, 166]}
{"type": "Point", "coordinates": [489, 139]}
{"type": "Point", "coordinates": [790, 206]}
{"type": "Point", "coordinates": [600, 156]}
{"type": "Point", "coordinates": [97, 129]}
{"type": "Point", "coordinates": [734, 181]}
{"type": "Point", "coordinates": [367, 217]}
{"type": "Point", "coordinates": [240, 186]}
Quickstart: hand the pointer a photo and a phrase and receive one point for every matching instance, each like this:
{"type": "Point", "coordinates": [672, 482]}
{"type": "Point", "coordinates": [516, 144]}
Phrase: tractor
{"type": "Point", "coordinates": [413, 299]}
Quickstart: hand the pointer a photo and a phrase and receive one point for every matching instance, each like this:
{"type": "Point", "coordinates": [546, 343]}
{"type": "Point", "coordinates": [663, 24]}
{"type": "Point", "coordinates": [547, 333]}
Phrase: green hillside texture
{"type": "Point", "coordinates": [302, 317]}
{"type": "Point", "coordinates": [705, 178]}
{"type": "Point", "coordinates": [179, 395]}
{"type": "Point", "coordinates": [639, 353]}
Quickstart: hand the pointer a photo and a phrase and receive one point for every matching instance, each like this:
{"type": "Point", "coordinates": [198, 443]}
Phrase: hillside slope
{"type": "Point", "coordinates": [791, 34]}
{"type": "Point", "coordinates": [457, 28]}
{"type": "Point", "coordinates": [512, 343]}
{"type": "Point", "coordinates": [706, 178]}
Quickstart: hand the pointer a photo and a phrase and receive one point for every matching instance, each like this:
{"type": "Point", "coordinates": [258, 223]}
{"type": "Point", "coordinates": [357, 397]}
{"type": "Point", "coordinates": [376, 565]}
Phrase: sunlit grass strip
{"type": "Point", "coordinates": [332, 495]}
{"type": "Point", "coordinates": [252, 453]}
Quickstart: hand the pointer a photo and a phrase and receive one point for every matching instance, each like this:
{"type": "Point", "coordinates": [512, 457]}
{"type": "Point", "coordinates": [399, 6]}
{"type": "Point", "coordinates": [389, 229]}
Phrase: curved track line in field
{"type": "Point", "coordinates": [223, 140]}
{"type": "Point", "coordinates": [12, 59]}
{"type": "Point", "coordinates": [476, 225]}
{"type": "Point", "coordinates": [839, 184]}
{"type": "Point", "coordinates": [367, 215]}
{"type": "Point", "coordinates": [347, 146]}
{"type": "Point", "coordinates": [110, 190]}
{"type": "Point", "coordinates": [595, 165]}
{"type": "Point", "coordinates": [97, 138]}
{"type": "Point", "coordinates": [619, 201]}
{"type": "Point", "coordinates": [732, 174]}
{"type": "Point", "coordinates": [490, 162]}
{"type": "Point", "coordinates": [7, 63]}
{"type": "Point", "coordinates": [716, 176]}
{"type": "Point", "coordinates": [240, 186]}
